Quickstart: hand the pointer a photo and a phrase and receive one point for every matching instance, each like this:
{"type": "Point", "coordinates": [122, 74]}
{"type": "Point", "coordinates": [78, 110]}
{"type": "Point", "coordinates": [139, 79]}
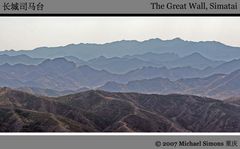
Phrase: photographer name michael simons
{"type": "Point", "coordinates": [200, 5]}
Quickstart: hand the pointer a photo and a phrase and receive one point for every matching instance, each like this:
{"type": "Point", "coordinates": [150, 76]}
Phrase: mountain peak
{"type": "Point", "coordinates": [196, 56]}
{"type": "Point", "coordinates": [58, 61]}
{"type": "Point", "coordinates": [177, 39]}
{"type": "Point", "coordinates": [59, 64]}
{"type": "Point", "coordinates": [153, 39]}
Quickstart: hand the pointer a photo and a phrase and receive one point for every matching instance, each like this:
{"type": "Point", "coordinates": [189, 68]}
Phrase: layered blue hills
{"type": "Point", "coordinates": [151, 66]}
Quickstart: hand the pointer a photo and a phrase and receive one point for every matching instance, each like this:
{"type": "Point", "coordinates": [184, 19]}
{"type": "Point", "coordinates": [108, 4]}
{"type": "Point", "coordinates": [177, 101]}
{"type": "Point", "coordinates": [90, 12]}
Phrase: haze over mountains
{"type": "Point", "coordinates": [63, 76]}
{"type": "Point", "coordinates": [19, 59]}
{"type": "Point", "coordinates": [218, 86]}
{"type": "Point", "coordinates": [150, 86]}
{"type": "Point", "coordinates": [150, 72]}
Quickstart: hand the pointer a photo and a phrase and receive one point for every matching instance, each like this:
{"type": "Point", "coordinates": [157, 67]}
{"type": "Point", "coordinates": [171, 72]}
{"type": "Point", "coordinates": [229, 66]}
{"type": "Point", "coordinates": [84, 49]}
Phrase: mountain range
{"type": "Point", "coordinates": [19, 59]}
{"type": "Point", "coordinates": [169, 60]}
{"type": "Point", "coordinates": [99, 111]}
{"type": "Point", "coordinates": [125, 64]}
{"type": "Point", "coordinates": [124, 86]}
{"type": "Point", "coordinates": [57, 74]}
{"type": "Point", "coordinates": [63, 76]}
{"type": "Point", "coordinates": [219, 86]}
{"type": "Point", "coordinates": [210, 49]}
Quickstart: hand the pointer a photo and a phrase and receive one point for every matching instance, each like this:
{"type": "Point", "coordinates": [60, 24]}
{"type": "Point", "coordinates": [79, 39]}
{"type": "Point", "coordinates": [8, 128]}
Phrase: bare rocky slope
{"type": "Point", "coordinates": [100, 111]}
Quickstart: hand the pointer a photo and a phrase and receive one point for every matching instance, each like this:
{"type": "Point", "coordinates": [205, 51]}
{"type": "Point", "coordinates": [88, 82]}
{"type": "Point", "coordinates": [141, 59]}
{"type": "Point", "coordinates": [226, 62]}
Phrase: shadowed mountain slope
{"type": "Point", "coordinates": [104, 111]}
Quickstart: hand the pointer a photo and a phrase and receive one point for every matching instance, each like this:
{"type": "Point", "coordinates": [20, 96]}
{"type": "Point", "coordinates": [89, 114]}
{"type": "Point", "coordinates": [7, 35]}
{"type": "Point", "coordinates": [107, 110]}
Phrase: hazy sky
{"type": "Point", "coordinates": [30, 32]}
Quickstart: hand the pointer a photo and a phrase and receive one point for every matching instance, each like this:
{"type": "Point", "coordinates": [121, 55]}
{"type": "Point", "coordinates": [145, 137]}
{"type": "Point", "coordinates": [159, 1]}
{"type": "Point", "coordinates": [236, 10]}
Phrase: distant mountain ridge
{"type": "Point", "coordinates": [195, 60]}
{"type": "Point", "coordinates": [60, 74]}
{"type": "Point", "coordinates": [124, 64]}
{"type": "Point", "coordinates": [210, 49]}
{"type": "Point", "coordinates": [164, 66]}
{"type": "Point", "coordinates": [219, 86]}
{"type": "Point", "coordinates": [169, 60]}
{"type": "Point", "coordinates": [19, 59]}
{"type": "Point", "coordinates": [128, 63]}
